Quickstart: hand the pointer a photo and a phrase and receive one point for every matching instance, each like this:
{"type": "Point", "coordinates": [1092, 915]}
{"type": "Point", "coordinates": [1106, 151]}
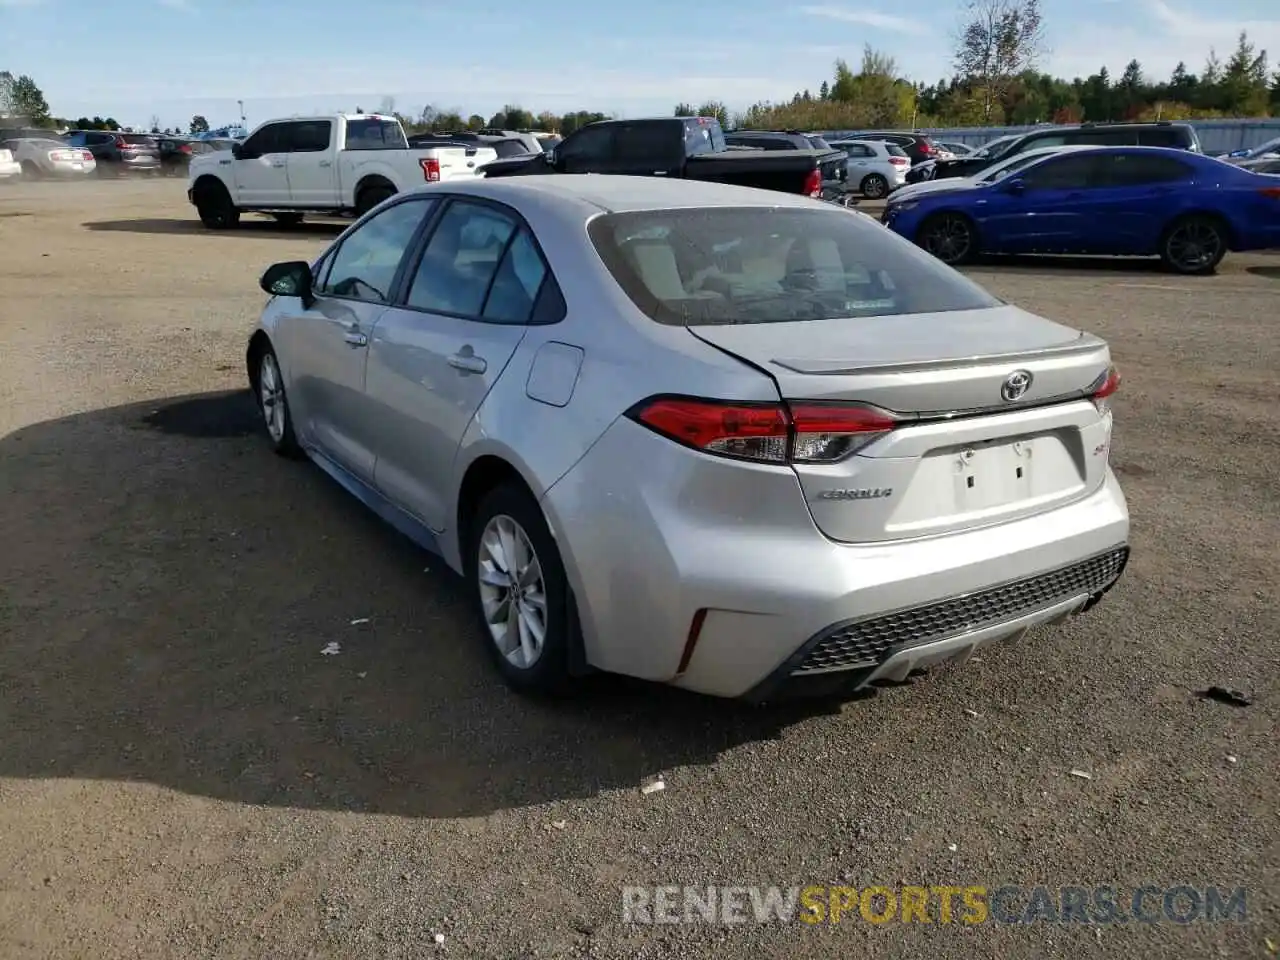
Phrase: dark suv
{"type": "Point", "coordinates": [917, 146]}
{"type": "Point", "coordinates": [118, 153]}
{"type": "Point", "coordinates": [1164, 133]}
{"type": "Point", "coordinates": [776, 140]}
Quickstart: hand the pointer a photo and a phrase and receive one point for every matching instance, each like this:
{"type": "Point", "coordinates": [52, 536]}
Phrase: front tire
{"type": "Point", "coordinates": [214, 205]}
{"type": "Point", "coordinates": [951, 237]}
{"type": "Point", "coordinates": [874, 186]}
{"type": "Point", "coordinates": [273, 403]}
{"type": "Point", "coordinates": [520, 592]}
{"type": "Point", "coordinates": [1194, 245]}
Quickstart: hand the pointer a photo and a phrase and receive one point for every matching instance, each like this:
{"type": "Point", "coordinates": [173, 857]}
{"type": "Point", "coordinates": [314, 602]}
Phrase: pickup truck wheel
{"type": "Point", "coordinates": [216, 210]}
{"type": "Point", "coordinates": [874, 186]}
{"type": "Point", "coordinates": [287, 219]}
{"type": "Point", "coordinates": [371, 196]}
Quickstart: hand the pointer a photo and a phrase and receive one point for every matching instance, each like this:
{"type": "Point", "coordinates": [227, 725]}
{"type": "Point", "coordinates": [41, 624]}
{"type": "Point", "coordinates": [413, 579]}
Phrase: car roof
{"type": "Point", "coordinates": [595, 193]}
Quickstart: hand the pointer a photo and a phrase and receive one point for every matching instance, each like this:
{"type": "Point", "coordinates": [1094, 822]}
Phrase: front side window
{"type": "Point", "coordinates": [728, 265]}
{"type": "Point", "coordinates": [264, 141]}
{"type": "Point", "coordinates": [365, 265]}
{"type": "Point", "coordinates": [1062, 173]}
{"type": "Point", "coordinates": [461, 259]}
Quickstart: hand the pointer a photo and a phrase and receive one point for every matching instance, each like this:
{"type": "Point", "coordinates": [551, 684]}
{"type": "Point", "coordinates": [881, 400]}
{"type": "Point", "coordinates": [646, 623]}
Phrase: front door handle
{"type": "Point", "coordinates": [326, 163]}
{"type": "Point", "coordinates": [278, 166]}
{"type": "Point", "coordinates": [468, 363]}
{"type": "Point", "coordinates": [355, 338]}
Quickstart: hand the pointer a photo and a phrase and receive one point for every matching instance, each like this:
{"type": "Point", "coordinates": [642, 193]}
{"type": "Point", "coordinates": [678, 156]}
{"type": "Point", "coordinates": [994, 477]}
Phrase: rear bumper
{"type": "Point", "coordinates": [725, 586]}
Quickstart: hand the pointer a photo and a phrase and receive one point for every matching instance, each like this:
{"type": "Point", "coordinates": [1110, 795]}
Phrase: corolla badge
{"type": "Point", "coordinates": [864, 493]}
{"type": "Point", "coordinates": [1015, 385]}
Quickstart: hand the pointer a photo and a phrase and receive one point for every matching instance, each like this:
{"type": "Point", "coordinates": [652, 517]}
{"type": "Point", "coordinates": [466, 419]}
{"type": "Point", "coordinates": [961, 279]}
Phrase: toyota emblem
{"type": "Point", "coordinates": [1015, 385]}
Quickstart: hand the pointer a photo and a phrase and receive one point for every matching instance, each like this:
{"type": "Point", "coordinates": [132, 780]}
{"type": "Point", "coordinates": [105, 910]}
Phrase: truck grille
{"type": "Point", "coordinates": [871, 642]}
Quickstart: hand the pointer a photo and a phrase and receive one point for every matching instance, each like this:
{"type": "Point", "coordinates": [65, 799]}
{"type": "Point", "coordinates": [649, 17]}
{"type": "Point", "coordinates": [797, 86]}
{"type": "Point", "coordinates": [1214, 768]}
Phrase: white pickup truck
{"type": "Point", "coordinates": [339, 164]}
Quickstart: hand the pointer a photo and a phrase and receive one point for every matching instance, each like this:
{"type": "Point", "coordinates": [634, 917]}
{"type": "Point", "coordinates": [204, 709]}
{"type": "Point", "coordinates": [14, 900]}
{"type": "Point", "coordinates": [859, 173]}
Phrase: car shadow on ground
{"type": "Point", "coordinates": [171, 587]}
{"type": "Point", "coordinates": [1268, 273]}
{"type": "Point", "coordinates": [252, 226]}
{"type": "Point", "coordinates": [1074, 266]}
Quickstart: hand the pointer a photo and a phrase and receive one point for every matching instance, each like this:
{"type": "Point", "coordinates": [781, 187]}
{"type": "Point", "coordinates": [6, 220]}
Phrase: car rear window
{"type": "Point", "coordinates": [137, 138]}
{"type": "Point", "coordinates": [375, 135]}
{"type": "Point", "coordinates": [731, 265]}
{"type": "Point", "coordinates": [818, 143]}
{"type": "Point", "coordinates": [895, 150]}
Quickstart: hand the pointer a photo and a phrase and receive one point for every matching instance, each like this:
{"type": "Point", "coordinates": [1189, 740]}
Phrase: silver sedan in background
{"type": "Point", "coordinates": [728, 439]}
{"type": "Point", "coordinates": [50, 158]}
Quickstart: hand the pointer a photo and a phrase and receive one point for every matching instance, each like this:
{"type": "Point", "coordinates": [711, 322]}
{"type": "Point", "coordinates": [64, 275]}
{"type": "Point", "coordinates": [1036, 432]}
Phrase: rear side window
{"type": "Point", "coordinates": [307, 136]}
{"type": "Point", "coordinates": [1132, 169]}
{"type": "Point", "coordinates": [1103, 138]}
{"type": "Point", "coordinates": [654, 143]}
{"type": "Point", "coordinates": [728, 265]}
{"type": "Point", "coordinates": [817, 143]}
{"type": "Point", "coordinates": [1165, 137]}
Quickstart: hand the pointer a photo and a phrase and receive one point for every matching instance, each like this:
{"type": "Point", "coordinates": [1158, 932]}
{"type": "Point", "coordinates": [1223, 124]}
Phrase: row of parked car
{"type": "Point", "coordinates": [39, 154]}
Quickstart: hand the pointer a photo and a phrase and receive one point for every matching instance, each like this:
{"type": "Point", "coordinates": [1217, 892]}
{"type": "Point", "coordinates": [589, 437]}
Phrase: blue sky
{"type": "Point", "coordinates": [134, 59]}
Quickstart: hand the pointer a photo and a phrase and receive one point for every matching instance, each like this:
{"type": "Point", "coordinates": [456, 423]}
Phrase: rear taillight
{"type": "Point", "coordinates": [813, 184]}
{"type": "Point", "coordinates": [1103, 388]}
{"type": "Point", "coordinates": [123, 144]}
{"type": "Point", "coordinates": [899, 161]}
{"type": "Point", "coordinates": [85, 155]}
{"type": "Point", "coordinates": [766, 432]}
{"type": "Point", "coordinates": [430, 169]}
{"type": "Point", "coordinates": [1272, 192]}
{"type": "Point", "coordinates": [184, 148]}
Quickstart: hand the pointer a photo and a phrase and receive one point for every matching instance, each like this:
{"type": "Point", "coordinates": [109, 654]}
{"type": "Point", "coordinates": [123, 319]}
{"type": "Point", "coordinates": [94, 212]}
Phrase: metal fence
{"type": "Point", "coordinates": [1216, 136]}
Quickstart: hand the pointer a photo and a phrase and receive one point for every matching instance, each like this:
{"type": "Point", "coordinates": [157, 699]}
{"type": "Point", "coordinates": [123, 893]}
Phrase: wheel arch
{"type": "Point", "coordinates": [373, 181]}
{"type": "Point", "coordinates": [259, 344]}
{"type": "Point", "coordinates": [209, 181]}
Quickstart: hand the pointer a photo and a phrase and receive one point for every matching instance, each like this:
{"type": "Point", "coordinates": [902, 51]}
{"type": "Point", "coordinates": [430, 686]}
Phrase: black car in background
{"type": "Point", "coordinates": [776, 140]}
{"type": "Point", "coordinates": [176, 153]}
{"type": "Point", "coordinates": [1181, 136]}
{"type": "Point", "coordinates": [117, 153]}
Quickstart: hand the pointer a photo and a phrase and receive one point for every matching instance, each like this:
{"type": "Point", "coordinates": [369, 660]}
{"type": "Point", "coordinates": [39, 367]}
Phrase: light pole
{"type": "Point", "coordinates": [240, 104]}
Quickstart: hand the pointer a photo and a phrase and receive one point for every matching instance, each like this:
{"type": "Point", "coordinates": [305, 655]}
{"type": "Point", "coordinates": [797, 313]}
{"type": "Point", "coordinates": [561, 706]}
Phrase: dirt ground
{"type": "Point", "coordinates": [183, 774]}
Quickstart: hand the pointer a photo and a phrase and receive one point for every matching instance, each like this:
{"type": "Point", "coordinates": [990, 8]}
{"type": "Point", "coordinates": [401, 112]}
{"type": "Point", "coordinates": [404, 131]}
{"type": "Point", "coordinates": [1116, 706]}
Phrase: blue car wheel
{"type": "Point", "coordinates": [951, 237]}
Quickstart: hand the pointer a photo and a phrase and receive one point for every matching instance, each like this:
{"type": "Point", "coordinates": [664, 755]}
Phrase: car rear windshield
{"type": "Point", "coordinates": [895, 150]}
{"type": "Point", "coordinates": [138, 138]}
{"type": "Point", "coordinates": [375, 135]}
{"type": "Point", "coordinates": [732, 265]}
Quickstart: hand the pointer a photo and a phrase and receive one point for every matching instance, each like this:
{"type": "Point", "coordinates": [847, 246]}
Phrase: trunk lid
{"type": "Point", "coordinates": [962, 455]}
{"type": "Point", "coordinates": [459, 162]}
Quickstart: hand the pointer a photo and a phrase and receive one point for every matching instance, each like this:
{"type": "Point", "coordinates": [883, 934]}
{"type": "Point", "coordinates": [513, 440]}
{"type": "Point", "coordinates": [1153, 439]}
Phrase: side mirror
{"type": "Point", "coordinates": [1016, 186]}
{"type": "Point", "coordinates": [289, 279]}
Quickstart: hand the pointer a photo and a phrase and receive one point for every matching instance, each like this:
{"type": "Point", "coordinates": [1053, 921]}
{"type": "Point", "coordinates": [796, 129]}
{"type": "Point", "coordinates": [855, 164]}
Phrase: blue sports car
{"type": "Point", "coordinates": [1186, 208]}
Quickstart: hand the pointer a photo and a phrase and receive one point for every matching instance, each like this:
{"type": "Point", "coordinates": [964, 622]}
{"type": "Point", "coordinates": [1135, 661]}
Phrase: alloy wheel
{"type": "Point", "coordinates": [949, 238]}
{"type": "Point", "coordinates": [1194, 245]}
{"type": "Point", "coordinates": [513, 592]}
{"type": "Point", "coordinates": [271, 395]}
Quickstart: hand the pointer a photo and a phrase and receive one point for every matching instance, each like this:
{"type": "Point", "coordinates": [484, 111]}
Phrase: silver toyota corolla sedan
{"type": "Point", "coordinates": [740, 442]}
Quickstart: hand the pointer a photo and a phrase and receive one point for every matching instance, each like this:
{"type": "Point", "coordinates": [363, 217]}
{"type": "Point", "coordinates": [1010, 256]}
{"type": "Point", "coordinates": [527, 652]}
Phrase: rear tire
{"type": "Point", "coordinates": [214, 205]}
{"type": "Point", "coordinates": [874, 187]}
{"type": "Point", "coordinates": [371, 196]}
{"type": "Point", "coordinates": [951, 237]}
{"type": "Point", "coordinates": [1194, 245]}
{"type": "Point", "coordinates": [520, 590]}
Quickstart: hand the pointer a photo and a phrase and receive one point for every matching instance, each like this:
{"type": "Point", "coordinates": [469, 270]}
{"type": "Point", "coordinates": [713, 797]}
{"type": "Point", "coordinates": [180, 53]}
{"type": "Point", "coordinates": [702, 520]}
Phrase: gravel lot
{"type": "Point", "coordinates": [183, 774]}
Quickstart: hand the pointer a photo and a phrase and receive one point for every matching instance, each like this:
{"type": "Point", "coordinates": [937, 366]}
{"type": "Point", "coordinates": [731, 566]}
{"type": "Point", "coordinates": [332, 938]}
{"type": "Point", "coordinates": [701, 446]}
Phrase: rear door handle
{"type": "Point", "coordinates": [277, 165]}
{"type": "Point", "coordinates": [355, 338]}
{"type": "Point", "coordinates": [468, 363]}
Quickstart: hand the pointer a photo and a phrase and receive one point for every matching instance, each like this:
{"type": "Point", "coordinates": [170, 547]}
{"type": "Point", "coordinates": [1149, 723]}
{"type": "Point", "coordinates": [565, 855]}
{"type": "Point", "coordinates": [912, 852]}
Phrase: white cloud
{"type": "Point", "coordinates": [867, 18]}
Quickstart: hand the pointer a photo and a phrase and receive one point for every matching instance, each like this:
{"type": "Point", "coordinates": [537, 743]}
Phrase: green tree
{"type": "Point", "coordinates": [714, 108]}
{"type": "Point", "coordinates": [475, 122]}
{"type": "Point", "coordinates": [684, 110]}
{"type": "Point", "coordinates": [199, 124]}
{"type": "Point", "coordinates": [824, 91]}
{"type": "Point", "coordinates": [999, 40]}
{"type": "Point", "coordinates": [20, 97]}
